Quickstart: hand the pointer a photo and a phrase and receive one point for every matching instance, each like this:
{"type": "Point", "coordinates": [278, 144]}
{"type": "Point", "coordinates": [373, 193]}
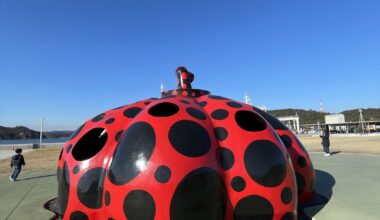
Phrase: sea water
{"type": "Point", "coordinates": [33, 141]}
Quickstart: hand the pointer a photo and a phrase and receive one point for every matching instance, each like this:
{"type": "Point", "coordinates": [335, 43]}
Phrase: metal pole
{"type": "Point", "coordinates": [41, 130]}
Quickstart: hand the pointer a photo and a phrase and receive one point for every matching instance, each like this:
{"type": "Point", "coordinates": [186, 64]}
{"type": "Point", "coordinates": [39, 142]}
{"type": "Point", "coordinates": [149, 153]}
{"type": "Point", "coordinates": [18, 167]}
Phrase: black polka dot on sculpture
{"type": "Point", "coordinates": [59, 171]}
{"type": "Point", "coordinates": [185, 102]}
{"type": "Point", "coordinates": [63, 177]}
{"type": "Point", "coordinates": [78, 215]}
{"type": "Point", "coordinates": [60, 154]}
{"type": "Point", "coordinates": [301, 145]}
{"type": "Point", "coordinates": [76, 169]}
{"type": "Point", "coordinates": [219, 114]}
{"type": "Point", "coordinates": [300, 183]}
{"type": "Point", "coordinates": [110, 121]}
{"type": "Point", "coordinates": [90, 188]}
{"type": "Point", "coordinates": [301, 161]}
{"type": "Point", "coordinates": [98, 117]}
{"type": "Point", "coordinates": [163, 109]}
{"type": "Point", "coordinates": [189, 138]}
{"type": "Point", "coordinates": [139, 205]}
{"type": "Point", "coordinates": [200, 195]}
{"type": "Point", "coordinates": [217, 97]}
{"type": "Point", "coordinates": [168, 97]}
{"type": "Point", "coordinates": [274, 122]}
{"type": "Point", "coordinates": [312, 185]}
{"type": "Point", "coordinates": [147, 103]}
{"type": "Point", "coordinates": [286, 140]}
{"type": "Point", "coordinates": [198, 114]}
{"type": "Point", "coordinates": [234, 104]}
{"type": "Point", "coordinates": [162, 174]}
{"type": "Point", "coordinates": [139, 150]}
{"type": "Point", "coordinates": [90, 144]}
{"type": "Point", "coordinates": [250, 121]}
{"type": "Point", "coordinates": [265, 163]}
{"type": "Point", "coordinates": [253, 207]}
{"type": "Point", "coordinates": [76, 132]}
{"type": "Point", "coordinates": [68, 149]}
{"type": "Point", "coordinates": [238, 183]}
{"type": "Point", "coordinates": [275, 134]}
{"type": "Point", "coordinates": [202, 104]}
{"type": "Point", "coordinates": [225, 158]}
{"type": "Point", "coordinates": [117, 108]}
{"type": "Point", "coordinates": [107, 198]}
{"type": "Point", "coordinates": [220, 133]}
{"type": "Point", "coordinates": [286, 195]}
{"type": "Point", "coordinates": [118, 134]}
{"type": "Point", "coordinates": [131, 112]}
{"type": "Point", "coordinates": [287, 216]}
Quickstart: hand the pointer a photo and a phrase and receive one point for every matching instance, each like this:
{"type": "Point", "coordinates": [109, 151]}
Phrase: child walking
{"type": "Point", "coordinates": [17, 161]}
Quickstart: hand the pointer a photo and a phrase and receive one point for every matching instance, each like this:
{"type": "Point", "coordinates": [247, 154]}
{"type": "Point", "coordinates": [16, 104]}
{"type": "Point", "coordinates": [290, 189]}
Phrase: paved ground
{"type": "Point", "coordinates": [24, 199]}
{"type": "Point", "coordinates": [349, 144]}
{"type": "Point", "coordinates": [350, 182]}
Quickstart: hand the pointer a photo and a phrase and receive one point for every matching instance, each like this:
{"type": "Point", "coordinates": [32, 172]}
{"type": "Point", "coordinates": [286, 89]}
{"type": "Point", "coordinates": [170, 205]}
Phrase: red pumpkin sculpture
{"type": "Point", "coordinates": [187, 155]}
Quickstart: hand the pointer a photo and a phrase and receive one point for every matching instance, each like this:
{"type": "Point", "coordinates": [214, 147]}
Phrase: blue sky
{"type": "Point", "coordinates": [70, 60]}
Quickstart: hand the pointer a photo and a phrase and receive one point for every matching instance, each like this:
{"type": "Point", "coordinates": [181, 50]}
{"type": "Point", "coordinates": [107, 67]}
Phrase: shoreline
{"type": "Point", "coordinates": [30, 146]}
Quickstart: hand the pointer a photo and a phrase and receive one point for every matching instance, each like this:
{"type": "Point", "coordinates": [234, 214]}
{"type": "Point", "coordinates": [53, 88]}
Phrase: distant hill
{"type": "Point", "coordinates": [18, 132]}
{"type": "Point", "coordinates": [58, 134]}
{"type": "Point", "coordinates": [306, 116]}
{"type": "Point", "coordinates": [22, 132]}
{"type": "Point", "coordinates": [369, 114]}
{"type": "Point", "coordinates": [312, 117]}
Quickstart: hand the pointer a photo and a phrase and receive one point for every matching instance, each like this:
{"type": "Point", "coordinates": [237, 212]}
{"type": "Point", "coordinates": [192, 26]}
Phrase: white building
{"type": "Point", "coordinates": [334, 119]}
{"type": "Point", "coordinates": [336, 122]}
{"type": "Point", "coordinates": [292, 122]}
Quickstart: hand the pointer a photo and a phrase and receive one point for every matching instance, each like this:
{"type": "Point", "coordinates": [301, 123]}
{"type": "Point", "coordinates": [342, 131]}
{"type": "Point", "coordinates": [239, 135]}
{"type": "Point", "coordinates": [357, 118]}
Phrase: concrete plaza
{"type": "Point", "coordinates": [350, 182]}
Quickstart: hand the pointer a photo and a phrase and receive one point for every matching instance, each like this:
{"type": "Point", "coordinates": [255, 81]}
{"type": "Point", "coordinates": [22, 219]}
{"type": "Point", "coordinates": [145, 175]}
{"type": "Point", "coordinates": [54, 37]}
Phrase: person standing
{"type": "Point", "coordinates": [17, 161]}
{"type": "Point", "coordinates": [326, 140]}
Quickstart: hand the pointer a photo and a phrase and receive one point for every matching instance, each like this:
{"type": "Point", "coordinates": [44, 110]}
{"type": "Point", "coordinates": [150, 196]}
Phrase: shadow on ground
{"type": "Point", "coordinates": [36, 177]}
{"type": "Point", "coordinates": [323, 192]}
{"type": "Point", "coordinates": [335, 152]}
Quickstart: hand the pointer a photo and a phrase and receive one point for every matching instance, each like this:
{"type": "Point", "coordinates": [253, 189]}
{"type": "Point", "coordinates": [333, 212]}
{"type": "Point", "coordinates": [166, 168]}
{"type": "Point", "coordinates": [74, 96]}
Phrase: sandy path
{"type": "Point", "coordinates": [36, 160]}
{"type": "Point", "coordinates": [356, 144]}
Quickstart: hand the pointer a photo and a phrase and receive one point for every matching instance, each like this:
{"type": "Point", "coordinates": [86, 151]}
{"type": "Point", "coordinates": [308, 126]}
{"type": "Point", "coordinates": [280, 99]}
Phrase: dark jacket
{"type": "Point", "coordinates": [326, 139]}
{"type": "Point", "coordinates": [17, 160]}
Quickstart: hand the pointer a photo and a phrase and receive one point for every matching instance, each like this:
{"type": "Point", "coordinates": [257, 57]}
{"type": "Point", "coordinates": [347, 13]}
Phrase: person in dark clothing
{"type": "Point", "coordinates": [326, 140]}
{"type": "Point", "coordinates": [17, 161]}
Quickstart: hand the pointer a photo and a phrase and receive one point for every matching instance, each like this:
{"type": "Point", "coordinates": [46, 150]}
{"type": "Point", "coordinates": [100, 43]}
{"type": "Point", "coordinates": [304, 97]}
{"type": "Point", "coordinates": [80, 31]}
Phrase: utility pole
{"type": "Point", "coordinates": [321, 108]}
{"type": "Point", "coordinates": [41, 130]}
{"type": "Point", "coordinates": [361, 119]}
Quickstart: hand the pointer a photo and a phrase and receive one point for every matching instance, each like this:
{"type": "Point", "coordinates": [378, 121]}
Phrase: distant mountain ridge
{"type": "Point", "coordinates": [306, 117]}
{"type": "Point", "coordinates": [312, 117]}
{"type": "Point", "coordinates": [22, 132]}
{"type": "Point", "coordinates": [18, 132]}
